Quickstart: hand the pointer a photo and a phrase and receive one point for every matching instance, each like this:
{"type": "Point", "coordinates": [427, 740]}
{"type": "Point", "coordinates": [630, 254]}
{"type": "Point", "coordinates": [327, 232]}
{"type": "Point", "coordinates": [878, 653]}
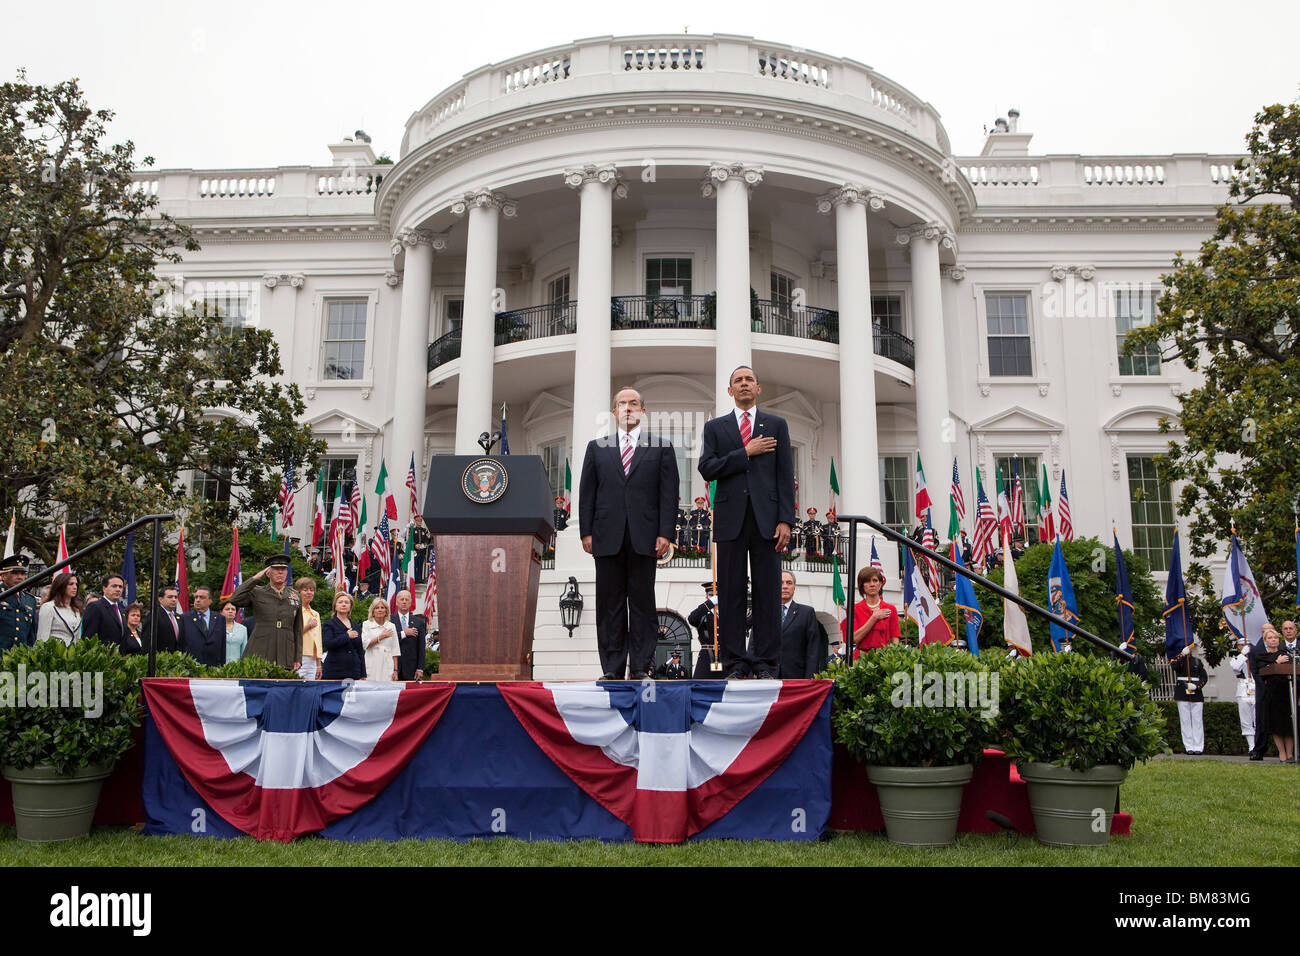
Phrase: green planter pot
{"type": "Point", "coordinates": [920, 804]}
{"type": "Point", "coordinates": [1066, 802]}
{"type": "Point", "coordinates": [49, 806]}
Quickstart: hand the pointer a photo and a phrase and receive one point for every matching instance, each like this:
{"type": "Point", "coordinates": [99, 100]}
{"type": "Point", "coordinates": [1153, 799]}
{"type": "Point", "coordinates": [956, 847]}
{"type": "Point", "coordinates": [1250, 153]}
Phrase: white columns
{"type": "Point", "coordinates": [474, 413]}
{"type": "Point", "coordinates": [280, 316]}
{"type": "Point", "coordinates": [935, 428]}
{"type": "Point", "coordinates": [859, 448]}
{"type": "Point", "coordinates": [732, 183]}
{"type": "Point", "coordinates": [597, 186]}
{"type": "Point", "coordinates": [410, 376]}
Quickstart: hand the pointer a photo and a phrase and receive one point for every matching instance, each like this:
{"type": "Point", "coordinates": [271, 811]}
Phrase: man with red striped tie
{"type": "Point", "coordinates": [747, 452]}
{"type": "Point", "coordinates": [627, 512]}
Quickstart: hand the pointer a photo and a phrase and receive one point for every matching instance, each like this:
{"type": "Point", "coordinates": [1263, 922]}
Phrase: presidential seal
{"type": "Point", "coordinates": [484, 481]}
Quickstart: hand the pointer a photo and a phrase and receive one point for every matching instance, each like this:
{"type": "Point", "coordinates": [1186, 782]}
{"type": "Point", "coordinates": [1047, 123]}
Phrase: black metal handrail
{"type": "Point", "coordinates": [662, 311]}
{"type": "Point", "coordinates": [53, 569]}
{"type": "Point", "coordinates": [892, 345]}
{"type": "Point", "coordinates": [537, 322]}
{"type": "Point", "coordinates": [444, 349]}
{"type": "Point", "coordinates": [854, 520]}
{"type": "Point", "coordinates": [780, 317]}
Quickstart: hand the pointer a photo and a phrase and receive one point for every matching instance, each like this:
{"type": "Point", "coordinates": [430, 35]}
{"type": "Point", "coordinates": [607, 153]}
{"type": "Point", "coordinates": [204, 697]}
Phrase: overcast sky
{"type": "Point", "coordinates": [270, 83]}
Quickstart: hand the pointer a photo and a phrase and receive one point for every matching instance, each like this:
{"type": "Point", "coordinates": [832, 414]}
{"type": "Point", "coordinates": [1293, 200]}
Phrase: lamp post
{"type": "Point", "coordinates": [571, 606]}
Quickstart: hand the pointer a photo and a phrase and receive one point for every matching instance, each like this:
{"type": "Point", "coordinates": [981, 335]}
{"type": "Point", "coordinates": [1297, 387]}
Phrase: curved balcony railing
{"type": "Point", "coordinates": [537, 322]}
{"type": "Point", "coordinates": [662, 311]}
{"type": "Point", "coordinates": [892, 345]}
{"type": "Point", "coordinates": [444, 349]}
{"type": "Point", "coordinates": [675, 312]}
{"type": "Point", "coordinates": [802, 322]}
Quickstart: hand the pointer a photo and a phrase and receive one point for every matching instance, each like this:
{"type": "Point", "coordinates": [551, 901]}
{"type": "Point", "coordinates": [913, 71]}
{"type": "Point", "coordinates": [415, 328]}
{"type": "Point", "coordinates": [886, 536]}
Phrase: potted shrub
{"type": "Point", "coordinates": [66, 714]}
{"type": "Point", "coordinates": [1074, 724]}
{"type": "Point", "coordinates": [920, 718]}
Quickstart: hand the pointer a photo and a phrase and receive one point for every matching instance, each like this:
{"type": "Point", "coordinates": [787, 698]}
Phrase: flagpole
{"type": "Point", "coordinates": [716, 665]}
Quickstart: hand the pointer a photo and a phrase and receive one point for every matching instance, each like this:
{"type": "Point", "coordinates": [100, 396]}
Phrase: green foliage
{"type": "Point", "coordinates": [67, 737]}
{"type": "Point", "coordinates": [1094, 591]}
{"type": "Point", "coordinates": [1232, 313]}
{"type": "Point", "coordinates": [881, 725]}
{"type": "Point", "coordinates": [169, 664]}
{"type": "Point", "coordinates": [253, 667]}
{"type": "Point", "coordinates": [1077, 711]}
{"type": "Point", "coordinates": [111, 374]}
{"type": "Point", "coordinates": [431, 659]}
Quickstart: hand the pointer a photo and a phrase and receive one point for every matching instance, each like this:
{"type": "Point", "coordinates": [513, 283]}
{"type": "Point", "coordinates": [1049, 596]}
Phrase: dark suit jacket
{"type": "Point", "coordinates": [644, 502]}
{"type": "Point", "coordinates": [803, 644]}
{"type": "Point", "coordinates": [100, 622]}
{"type": "Point", "coordinates": [344, 656]}
{"type": "Point", "coordinates": [165, 639]}
{"type": "Point", "coordinates": [766, 482]}
{"type": "Point", "coordinates": [412, 658]}
{"type": "Point", "coordinates": [205, 645]}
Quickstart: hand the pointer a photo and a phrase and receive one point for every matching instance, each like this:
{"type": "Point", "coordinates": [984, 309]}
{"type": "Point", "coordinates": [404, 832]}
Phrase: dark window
{"type": "Point", "coordinates": [1152, 507]}
{"type": "Point", "coordinates": [667, 277]}
{"type": "Point", "coordinates": [345, 338]}
{"type": "Point", "coordinates": [1008, 321]}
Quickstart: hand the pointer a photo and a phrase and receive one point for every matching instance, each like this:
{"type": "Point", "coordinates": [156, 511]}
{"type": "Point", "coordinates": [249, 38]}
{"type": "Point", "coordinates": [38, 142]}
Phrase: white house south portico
{"type": "Point", "coordinates": [652, 212]}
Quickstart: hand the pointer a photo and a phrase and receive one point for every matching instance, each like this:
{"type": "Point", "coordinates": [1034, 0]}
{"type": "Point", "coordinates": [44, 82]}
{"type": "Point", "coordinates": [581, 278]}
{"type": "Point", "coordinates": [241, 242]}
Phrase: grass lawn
{"type": "Point", "coordinates": [1206, 811]}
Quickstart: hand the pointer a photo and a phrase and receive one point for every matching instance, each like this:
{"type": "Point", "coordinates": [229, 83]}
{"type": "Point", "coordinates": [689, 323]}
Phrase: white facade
{"type": "Point", "coordinates": [624, 167]}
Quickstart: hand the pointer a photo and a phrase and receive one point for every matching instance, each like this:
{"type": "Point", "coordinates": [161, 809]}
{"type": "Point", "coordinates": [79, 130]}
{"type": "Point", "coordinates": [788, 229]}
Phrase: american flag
{"type": "Point", "coordinates": [1063, 511]}
{"type": "Point", "coordinates": [379, 551]}
{"type": "Point", "coordinates": [930, 539]}
{"type": "Point", "coordinates": [286, 494]}
{"type": "Point", "coordinates": [958, 499]}
{"type": "Point", "coordinates": [875, 558]}
{"type": "Point", "coordinates": [985, 524]}
{"type": "Point", "coordinates": [354, 504]}
{"type": "Point", "coordinates": [410, 483]}
{"type": "Point", "coordinates": [431, 594]}
{"type": "Point", "coordinates": [1017, 500]}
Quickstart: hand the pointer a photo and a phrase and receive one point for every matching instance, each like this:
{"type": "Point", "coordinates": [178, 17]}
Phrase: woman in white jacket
{"type": "Point", "coordinates": [379, 638]}
{"type": "Point", "coordinates": [60, 615]}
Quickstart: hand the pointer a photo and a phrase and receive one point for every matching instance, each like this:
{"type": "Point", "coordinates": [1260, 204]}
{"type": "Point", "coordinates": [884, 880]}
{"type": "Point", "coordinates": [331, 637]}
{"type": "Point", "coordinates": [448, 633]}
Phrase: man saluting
{"type": "Point", "coordinates": [277, 614]}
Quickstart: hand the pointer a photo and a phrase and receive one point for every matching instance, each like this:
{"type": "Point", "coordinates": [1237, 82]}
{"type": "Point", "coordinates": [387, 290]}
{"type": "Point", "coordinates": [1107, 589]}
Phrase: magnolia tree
{"type": "Point", "coordinates": [1232, 313]}
{"type": "Point", "coordinates": [115, 388]}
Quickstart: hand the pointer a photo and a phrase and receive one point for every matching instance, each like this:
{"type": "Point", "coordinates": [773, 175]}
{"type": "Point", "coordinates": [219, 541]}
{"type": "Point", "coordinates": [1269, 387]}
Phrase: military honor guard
{"type": "Point", "coordinates": [702, 620]}
{"type": "Point", "coordinates": [682, 527]}
{"type": "Point", "coordinates": [673, 668]}
{"type": "Point", "coordinates": [830, 533]}
{"type": "Point", "coordinates": [701, 525]}
{"type": "Point", "coordinates": [421, 538]}
{"type": "Point", "coordinates": [812, 535]}
{"type": "Point", "coordinates": [18, 611]}
{"type": "Point", "coordinates": [277, 613]}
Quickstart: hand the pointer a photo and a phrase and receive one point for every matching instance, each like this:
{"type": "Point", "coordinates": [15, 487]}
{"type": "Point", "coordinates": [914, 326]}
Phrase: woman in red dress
{"type": "Point", "coordinates": [875, 622]}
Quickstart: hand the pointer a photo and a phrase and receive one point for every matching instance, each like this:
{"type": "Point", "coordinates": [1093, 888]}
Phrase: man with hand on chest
{"type": "Point", "coordinates": [748, 453]}
{"type": "Point", "coordinates": [410, 637]}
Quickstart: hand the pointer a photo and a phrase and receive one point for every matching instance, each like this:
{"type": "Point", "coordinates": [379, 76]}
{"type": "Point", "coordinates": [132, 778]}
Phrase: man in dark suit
{"type": "Point", "coordinates": [748, 453]}
{"type": "Point", "coordinates": [803, 639]}
{"type": "Point", "coordinates": [203, 631]}
{"type": "Point", "coordinates": [410, 637]}
{"type": "Point", "coordinates": [627, 511]}
{"type": "Point", "coordinates": [162, 623]}
{"type": "Point", "coordinates": [105, 620]}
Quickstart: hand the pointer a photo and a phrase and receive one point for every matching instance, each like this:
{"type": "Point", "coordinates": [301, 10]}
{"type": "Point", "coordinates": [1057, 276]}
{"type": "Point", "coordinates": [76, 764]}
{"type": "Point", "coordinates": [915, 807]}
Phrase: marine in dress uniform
{"type": "Point", "coordinates": [277, 613]}
{"type": "Point", "coordinates": [701, 525]}
{"type": "Point", "coordinates": [830, 533]}
{"type": "Point", "coordinates": [18, 611]}
{"type": "Point", "coordinates": [682, 528]}
{"type": "Point", "coordinates": [673, 668]}
{"type": "Point", "coordinates": [812, 535]}
{"type": "Point", "coordinates": [702, 620]}
{"type": "Point", "coordinates": [420, 538]}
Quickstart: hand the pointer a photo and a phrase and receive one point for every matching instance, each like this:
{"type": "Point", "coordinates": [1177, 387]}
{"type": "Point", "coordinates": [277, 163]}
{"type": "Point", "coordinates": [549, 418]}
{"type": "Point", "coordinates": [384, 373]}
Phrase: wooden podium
{"type": "Point", "coordinates": [490, 517]}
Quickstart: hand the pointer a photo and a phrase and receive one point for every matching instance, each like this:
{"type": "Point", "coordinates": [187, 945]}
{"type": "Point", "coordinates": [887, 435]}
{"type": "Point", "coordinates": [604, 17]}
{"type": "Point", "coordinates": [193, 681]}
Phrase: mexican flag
{"type": "Point", "coordinates": [318, 523]}
{"type": "Point", "coordinates": [921, 605]}
{"type": "Point", "coordinates": [386, 498]}
{"type": "Point", "coordinates": [919, 489]}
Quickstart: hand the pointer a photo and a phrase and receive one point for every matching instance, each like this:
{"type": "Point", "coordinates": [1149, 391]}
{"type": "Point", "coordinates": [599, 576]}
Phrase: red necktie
{"type": "Point", "coordinates": [744, 428]}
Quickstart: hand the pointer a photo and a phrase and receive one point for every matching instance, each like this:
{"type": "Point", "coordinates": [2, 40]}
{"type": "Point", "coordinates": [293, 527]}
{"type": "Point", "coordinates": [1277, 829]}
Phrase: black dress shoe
{"type": "Point", "coordinates": [610, 677]}
{"type": "Point", "coordinates": [737, 673]}
{"type": "Point", "coordinates": [764, 674]}
{"type": "Point", "coordinates": [1256, 757]}
{"type": "Point", "coordinates": [637, 675]}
